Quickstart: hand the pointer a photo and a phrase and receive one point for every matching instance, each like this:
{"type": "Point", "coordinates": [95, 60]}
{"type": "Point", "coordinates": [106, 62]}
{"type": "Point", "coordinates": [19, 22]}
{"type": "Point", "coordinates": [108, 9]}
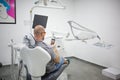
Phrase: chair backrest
{"type": "Point", "coordinates": [36, 60]}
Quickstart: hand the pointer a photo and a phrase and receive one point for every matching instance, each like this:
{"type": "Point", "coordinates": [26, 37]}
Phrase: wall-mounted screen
{"type": "Point", "coordinates": [40, 20]}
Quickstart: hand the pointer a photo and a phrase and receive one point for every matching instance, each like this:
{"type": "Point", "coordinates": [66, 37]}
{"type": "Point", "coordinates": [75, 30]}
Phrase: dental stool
{"type": "Point", "coordinates": [35, 60]}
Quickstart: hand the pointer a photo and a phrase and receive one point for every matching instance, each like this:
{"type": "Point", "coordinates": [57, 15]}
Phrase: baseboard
{"type": "Point", "coordinates": [8, 65]}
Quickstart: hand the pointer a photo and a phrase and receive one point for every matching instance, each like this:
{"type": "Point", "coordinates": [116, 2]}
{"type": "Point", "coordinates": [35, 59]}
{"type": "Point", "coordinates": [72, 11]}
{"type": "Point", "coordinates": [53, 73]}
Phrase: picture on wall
{"type": "Point", "coordinates": [7, 12]}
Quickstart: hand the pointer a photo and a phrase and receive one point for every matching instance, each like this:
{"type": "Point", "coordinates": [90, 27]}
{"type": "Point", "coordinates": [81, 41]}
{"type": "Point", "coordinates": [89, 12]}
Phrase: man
{"type": "Point", "coordinates": [56, 60]}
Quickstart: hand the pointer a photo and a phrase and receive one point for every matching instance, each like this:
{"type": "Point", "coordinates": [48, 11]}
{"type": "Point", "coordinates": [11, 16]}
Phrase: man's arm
{"type": "Point", "coordinates": [57, 58]}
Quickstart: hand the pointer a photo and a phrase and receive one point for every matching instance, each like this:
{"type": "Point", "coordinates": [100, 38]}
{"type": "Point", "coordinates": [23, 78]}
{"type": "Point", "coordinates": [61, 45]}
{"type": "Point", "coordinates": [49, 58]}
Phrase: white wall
{"type": "Point", "coordinates": [102, 16]}
{"type": "Point", "coordinates": [57, 20]}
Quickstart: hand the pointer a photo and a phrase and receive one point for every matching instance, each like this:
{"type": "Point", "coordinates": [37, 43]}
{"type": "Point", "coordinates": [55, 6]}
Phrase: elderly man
{"type": "Point", "coordinates": [56, 60]}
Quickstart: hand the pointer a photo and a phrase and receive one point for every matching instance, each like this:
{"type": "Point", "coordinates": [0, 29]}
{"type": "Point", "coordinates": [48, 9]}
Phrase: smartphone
{"type": "Point", "coordinates": [52, 41]}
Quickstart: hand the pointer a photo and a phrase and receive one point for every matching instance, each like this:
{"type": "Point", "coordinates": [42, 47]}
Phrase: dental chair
{"type": "Point", "coordinates": [36, 59]}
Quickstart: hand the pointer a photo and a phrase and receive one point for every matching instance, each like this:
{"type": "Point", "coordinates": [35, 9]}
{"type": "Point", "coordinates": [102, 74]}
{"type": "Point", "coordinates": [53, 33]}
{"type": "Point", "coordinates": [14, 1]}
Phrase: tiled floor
{"type": "Point", "coordinates": [82, 70]}
{"type": "Point", "coordinates": [77, 70]}
{"type": "Point", "coordinates": [9, 73]}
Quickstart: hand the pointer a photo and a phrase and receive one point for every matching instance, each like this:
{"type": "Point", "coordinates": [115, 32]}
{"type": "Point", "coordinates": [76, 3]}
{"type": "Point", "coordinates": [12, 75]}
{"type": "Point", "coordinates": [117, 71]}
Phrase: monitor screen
{"type": "Point", "coordinates": [40, 20]}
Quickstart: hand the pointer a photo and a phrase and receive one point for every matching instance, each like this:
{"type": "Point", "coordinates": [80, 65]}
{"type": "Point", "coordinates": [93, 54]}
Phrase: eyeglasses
{"type": "Point", "coordinates": [38, 33]}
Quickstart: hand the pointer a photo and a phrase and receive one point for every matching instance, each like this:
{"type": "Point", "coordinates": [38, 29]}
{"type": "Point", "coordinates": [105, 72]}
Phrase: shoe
{"type": "Point", "coordinates": [68, 61]}
{"type": "Point", "coordinates": [1, 65]}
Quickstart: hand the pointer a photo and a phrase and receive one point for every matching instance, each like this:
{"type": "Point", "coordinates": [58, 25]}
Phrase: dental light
{"type": "Point", "coordinates": [82, 33]}
{"type": "Point", "coordinates": [56, 4]}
